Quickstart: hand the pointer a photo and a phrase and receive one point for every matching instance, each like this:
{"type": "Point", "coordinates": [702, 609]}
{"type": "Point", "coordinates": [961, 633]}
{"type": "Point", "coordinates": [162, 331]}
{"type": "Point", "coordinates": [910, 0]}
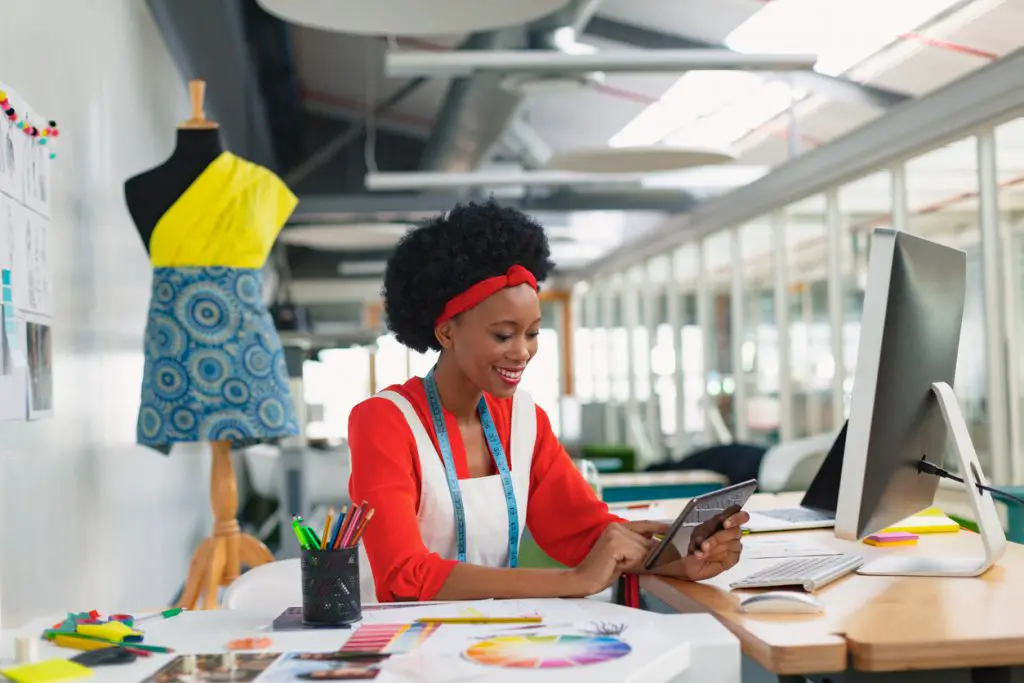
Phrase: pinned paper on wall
{"type": "Point", "coordinates": [26, 282]}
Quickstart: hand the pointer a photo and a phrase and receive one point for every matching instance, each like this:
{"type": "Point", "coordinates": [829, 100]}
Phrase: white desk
{"type": "Point", "coordinates": [713, 652]}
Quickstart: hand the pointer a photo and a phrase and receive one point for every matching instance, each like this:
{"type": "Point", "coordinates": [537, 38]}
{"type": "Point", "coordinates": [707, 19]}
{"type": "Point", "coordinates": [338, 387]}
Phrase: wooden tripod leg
{"type": "Point", "coordinates": [197, 574]}
{"type": "Point", "coordinates": [218, 561]}
{"type": "Point", "coordinates": [253, 552]}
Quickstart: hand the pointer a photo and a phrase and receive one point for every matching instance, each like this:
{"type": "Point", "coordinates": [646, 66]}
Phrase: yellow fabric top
{"type": "Point", "coordinates": [229, 216]}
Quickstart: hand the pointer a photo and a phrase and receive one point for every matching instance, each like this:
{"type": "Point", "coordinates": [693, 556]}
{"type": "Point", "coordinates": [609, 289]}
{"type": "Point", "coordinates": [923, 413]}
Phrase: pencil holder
{"type": "Point", "coordinates": [330, 587]}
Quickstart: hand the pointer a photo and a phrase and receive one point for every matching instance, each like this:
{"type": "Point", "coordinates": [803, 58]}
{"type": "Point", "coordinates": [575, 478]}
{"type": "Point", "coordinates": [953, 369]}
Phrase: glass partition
{"type": "Point", "coordinates": [810, 337]}
{"type": "Point", "coordinates": [690, 358]}
{"type": "Point", "coordinates": [942, 199]}
{"type": "Point", "coordinates": [1010, 178]}
{"type": "Point", "coordinates": [864, 205]}
{"type": "Point", "coordinates": [758, 365]}
{"type": "Point", "coordinates": [721, 385]}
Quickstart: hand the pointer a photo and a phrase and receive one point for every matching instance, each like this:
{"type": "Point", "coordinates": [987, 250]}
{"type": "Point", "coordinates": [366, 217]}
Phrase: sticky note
{"type": "Point", "coordinates": [50, 671]}
{"type": "Point", "coordinates": [892, 538]}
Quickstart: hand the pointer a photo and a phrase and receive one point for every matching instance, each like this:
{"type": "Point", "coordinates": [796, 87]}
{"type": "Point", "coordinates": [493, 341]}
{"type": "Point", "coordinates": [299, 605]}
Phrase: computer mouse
{"type": "Point", "coordinates": [781, 602]}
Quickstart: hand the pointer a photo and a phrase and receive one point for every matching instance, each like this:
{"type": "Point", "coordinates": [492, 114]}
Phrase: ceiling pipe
{"type": "Point", "coordinates": [391, 181]}
{"type": "Point", "coordinates": [477, 111]}
{"type": "Point", "coordinates": [463, 64]}
{"type": "Point", "coordinates": [474, 113]}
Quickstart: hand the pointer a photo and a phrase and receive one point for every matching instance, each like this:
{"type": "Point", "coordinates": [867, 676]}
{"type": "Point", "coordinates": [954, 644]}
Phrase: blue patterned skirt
{"type": "Point", "coordinates": [215, 369]}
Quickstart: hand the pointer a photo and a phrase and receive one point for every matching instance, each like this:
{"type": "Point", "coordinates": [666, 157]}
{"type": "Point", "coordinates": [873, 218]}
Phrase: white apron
{"type": "Point", "coordinates": [482, 497]}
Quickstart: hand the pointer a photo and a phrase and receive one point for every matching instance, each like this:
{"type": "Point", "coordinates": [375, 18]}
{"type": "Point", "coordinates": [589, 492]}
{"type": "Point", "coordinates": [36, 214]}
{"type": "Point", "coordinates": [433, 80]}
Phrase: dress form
{"type": "Point", "coordinates": [218, 559]}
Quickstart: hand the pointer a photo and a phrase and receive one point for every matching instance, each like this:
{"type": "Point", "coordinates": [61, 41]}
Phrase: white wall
{"type": "Point", "coordinates": [91, 520]}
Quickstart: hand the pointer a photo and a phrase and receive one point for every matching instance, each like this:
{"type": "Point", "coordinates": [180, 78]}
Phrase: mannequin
{"type": "Point", "coordinates": [208, 220]}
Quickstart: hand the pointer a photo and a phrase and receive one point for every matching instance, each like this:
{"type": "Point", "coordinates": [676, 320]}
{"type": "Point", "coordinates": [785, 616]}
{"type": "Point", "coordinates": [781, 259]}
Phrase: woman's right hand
{"type": "Point", "coordinates": [619, 549]}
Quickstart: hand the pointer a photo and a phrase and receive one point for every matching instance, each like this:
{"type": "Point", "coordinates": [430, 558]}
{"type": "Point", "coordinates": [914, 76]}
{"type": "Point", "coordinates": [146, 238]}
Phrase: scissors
{"type": "Point", "coordinates": [104, 656]}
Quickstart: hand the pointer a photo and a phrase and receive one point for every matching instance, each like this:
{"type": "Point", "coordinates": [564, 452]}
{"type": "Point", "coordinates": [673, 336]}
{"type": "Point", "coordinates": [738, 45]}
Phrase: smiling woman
{"type": "Point", "coordinates": [458, 463]}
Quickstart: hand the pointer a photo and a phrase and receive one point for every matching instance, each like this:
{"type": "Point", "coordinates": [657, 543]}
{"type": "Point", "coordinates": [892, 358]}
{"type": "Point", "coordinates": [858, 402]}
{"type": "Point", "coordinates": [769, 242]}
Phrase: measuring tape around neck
{"type": "Point", "coordinates": [500, 461]}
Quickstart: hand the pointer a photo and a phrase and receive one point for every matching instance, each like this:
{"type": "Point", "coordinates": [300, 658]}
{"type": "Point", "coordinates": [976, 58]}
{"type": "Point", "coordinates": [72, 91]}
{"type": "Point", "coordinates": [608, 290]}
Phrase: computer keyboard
{"type": "Point", "coordinates": [812, 573]}
{"type": "Point", "coordinates": [795, 515]}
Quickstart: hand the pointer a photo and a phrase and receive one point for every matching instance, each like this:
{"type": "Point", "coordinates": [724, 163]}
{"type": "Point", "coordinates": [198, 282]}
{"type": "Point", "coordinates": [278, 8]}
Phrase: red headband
{"type": "Point", "coordinates": [516, 275]}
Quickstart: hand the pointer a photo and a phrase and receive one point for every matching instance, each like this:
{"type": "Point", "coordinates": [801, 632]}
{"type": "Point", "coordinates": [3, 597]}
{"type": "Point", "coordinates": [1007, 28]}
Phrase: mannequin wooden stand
{"type": "Point", "coordinates": [218, 559]}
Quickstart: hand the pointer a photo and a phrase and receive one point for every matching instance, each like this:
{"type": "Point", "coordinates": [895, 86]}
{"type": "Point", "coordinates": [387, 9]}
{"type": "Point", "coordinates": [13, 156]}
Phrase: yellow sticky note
{"type": "Point", "coordinates": [930, 521]}
{"type": "Point", "coordinates": [50, 671]}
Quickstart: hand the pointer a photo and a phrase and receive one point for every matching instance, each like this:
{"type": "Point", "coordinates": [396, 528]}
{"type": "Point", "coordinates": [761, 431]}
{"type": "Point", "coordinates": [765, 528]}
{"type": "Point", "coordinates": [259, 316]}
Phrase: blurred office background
{"type": "Point", "coordinates": [711, 229]}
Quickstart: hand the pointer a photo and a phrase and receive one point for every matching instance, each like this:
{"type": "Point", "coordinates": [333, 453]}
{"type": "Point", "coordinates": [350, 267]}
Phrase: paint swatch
{"type": "Point", "coordinates": [10, 329]}
{"type": "Point", "coordinates": [390, 638]}
{"type": "Point", "coordinates": [546, 652]}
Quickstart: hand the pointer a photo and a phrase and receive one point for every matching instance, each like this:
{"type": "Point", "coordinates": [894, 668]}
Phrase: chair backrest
{"type": "Point", "coordinates": [791, 466]}
{"type": "Point", "coordinates": [274, 587]}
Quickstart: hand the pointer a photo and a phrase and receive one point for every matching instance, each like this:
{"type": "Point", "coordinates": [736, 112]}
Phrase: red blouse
{"type": "Point", "coordinates": [563, 513]}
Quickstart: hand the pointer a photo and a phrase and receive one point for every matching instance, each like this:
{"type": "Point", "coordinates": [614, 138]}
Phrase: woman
{"type": "Point", "coordinates": [458, 463]}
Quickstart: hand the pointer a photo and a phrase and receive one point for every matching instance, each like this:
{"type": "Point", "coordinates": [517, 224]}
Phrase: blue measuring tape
{"type": "Point", "coordinates": [497, 452]}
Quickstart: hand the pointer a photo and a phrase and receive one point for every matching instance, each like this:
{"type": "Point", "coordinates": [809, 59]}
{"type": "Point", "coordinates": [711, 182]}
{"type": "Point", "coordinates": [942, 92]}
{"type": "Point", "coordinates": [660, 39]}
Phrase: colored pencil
{"type": "Point", "coordinates": [333, 542]}
{"type": "Point", "coordinates": [357, 515]}
{"type": "Point", "coordinates": [354, 541]}
{"type": "Point", "coordinates": [340, 540]}
{"type": "Point", "coordinates": [327, 529]}
{"type": "Point", "coordinates": [480, 620]}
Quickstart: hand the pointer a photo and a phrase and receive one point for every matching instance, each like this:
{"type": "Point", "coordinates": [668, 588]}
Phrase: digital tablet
{"type": "Point", "coordinates": [702, 518]}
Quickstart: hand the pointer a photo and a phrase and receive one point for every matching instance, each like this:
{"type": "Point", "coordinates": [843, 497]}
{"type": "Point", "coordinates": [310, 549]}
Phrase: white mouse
{"type": "Point", "coordinates": [781, 602]}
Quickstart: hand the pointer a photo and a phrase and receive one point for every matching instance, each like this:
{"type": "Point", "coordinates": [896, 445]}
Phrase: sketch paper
{"type": "Point", "coordinates": [26, 280]}
{"type": "Point", "coordinates": [31, 268]}
{"type": "Point", "coordinates": [14, 395]}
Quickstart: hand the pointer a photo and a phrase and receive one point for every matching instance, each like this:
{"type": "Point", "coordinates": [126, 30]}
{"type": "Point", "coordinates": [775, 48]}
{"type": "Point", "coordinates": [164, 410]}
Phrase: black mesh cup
{"type": "Point", "coordinates": [330, 587]}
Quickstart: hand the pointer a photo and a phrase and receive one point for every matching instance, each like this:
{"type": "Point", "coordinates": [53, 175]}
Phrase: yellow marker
{"type": "Point", "coordinates": [111, 630]}
{"type": "Point", "coordinates": [481, 620]}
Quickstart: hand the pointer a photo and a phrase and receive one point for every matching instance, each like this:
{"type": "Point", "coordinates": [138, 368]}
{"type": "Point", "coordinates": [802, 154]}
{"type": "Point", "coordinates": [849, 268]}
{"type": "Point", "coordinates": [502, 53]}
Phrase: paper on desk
{"type": "Point", "coordinates": [765, 547]}
{"type": "Point", "coordinates": [656, 653]}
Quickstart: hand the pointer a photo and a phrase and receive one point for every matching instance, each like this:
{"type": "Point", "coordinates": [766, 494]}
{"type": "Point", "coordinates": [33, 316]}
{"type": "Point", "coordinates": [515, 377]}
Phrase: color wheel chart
{"type": "Point", "coordinates": [546, 652]}
{"type": "Point", "coordinates": [391, 638]}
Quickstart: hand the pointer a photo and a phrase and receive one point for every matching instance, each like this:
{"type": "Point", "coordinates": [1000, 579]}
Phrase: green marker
{"type": "Point", "coordinates": [299, 534]}
{"type": "Point", "coordinates": [166, 614]}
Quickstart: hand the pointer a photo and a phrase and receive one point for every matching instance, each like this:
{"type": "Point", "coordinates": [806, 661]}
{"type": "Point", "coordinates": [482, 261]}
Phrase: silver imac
{"type": "Point", "coordinates": [903, 408]}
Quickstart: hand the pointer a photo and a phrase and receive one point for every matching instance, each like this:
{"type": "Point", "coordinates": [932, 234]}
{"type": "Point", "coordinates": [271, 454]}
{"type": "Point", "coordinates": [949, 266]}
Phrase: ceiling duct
{"type": "Point", "coordinates": [478, 109]}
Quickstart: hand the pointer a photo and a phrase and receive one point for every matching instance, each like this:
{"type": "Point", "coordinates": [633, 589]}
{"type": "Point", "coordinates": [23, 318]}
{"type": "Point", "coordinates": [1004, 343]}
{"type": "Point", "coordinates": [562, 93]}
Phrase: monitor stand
{"type": "Point", "coordinates": [990, 528]}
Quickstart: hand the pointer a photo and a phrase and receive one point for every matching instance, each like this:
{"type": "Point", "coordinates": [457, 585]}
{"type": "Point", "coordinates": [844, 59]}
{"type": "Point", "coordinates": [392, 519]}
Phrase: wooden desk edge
{"type": "Point", "coordinates": [828, 656]}
{"type": "Point", "coordinates": [926, 656]}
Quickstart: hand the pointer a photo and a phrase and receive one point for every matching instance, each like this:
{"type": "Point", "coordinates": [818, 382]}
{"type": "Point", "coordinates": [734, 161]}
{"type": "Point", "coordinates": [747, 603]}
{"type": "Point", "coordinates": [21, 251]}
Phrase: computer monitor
{"type": "Point", "coordinates": [903, 407]}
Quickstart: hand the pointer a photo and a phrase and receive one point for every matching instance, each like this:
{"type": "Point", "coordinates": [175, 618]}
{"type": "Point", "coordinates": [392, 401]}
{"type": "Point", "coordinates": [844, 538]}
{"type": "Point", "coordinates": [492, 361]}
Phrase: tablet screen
{"type": "Point", "coordinates": [702, 518]}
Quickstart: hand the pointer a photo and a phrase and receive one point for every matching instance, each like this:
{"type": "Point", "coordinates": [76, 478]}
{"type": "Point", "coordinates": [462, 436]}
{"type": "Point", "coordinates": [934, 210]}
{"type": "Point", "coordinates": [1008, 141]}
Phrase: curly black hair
{"type": "Point", "coordinates": [447, 255]}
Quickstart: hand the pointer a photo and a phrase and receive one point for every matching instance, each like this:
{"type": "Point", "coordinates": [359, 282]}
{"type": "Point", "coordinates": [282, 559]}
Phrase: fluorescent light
{"type": "Point", "coordinates": [713, 108]}
{"type": "Point", "coordinates": [740, 117]}
{"type": "Point", "coordinates": [841, 32]}
{"type": "Point", "coordinates": [718, 108]}
{"type": "Point", "coordinates": [695, 95]}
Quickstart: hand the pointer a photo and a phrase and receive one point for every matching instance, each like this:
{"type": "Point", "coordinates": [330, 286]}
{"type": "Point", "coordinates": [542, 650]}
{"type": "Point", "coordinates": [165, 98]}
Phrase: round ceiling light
{"type": "Point", "coordinates": [636, 159]}
{"type": "Point", "coordinates": [352, 237]}
{"type": "Point", "coordinates": [411, 17]}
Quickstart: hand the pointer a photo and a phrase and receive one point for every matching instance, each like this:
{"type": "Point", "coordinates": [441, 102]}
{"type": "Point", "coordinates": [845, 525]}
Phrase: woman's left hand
{"type": "Point", "coordinates": [714, 555]}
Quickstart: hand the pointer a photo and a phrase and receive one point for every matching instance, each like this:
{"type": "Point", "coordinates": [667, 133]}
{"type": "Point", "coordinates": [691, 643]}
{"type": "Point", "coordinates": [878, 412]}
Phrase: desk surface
{"type": "Point", "coordinates": [701, 649]}
{"type": "Point", "coordinates": [881, 623]}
